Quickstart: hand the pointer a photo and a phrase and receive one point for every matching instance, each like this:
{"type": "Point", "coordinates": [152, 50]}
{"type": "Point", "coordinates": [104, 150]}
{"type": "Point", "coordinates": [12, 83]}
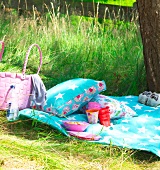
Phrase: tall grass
{"type": "Point", "coordinates": [76, 46]}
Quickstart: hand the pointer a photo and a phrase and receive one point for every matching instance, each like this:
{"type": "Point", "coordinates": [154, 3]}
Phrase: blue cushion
{"type": "Point", "coordinates": [67, 97]}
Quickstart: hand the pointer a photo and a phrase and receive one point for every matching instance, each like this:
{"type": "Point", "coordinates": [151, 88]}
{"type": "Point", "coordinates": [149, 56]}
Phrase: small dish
{"type": "Point", "coordinates": [77, 126]}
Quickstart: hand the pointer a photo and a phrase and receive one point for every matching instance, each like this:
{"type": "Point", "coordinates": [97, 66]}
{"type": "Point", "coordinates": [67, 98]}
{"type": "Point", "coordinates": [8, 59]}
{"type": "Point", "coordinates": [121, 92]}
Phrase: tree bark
{"type": "Point", "coordinates": [149, 19]}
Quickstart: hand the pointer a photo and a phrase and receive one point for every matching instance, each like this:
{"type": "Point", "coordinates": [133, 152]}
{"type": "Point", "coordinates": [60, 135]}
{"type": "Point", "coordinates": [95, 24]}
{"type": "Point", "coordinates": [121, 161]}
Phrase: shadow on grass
{"type": "Point", "coordinates": [30, 129]}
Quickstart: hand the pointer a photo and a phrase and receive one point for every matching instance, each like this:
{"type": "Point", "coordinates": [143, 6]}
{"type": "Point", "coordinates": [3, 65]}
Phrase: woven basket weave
{"type": "Point", "coordinates": [21, 82]}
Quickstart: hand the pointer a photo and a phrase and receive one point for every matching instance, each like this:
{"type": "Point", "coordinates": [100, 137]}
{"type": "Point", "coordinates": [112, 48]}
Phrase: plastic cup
{"type": "Point", "coordinates": [92, 115]}
{"type": "Point", "coordinates": [104, 116]}
{"type": "Point", "coordinates": [94, 105]}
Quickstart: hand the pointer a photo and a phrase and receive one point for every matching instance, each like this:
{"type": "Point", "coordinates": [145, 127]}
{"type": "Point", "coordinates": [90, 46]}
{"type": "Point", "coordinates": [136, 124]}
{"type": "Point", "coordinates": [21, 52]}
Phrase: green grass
{"type": "Point", "coordinates": [75, 46]}
{"type": "Point", "coordinates": [128, 3]}
{"type": "Point", "coordinates": [72, 47]}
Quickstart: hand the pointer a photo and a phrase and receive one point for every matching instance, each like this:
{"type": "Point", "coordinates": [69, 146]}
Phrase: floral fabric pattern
{"type": "Point", "coordinates": [117, 109]}
{"type": "Point", "coordinates": [67, 97]}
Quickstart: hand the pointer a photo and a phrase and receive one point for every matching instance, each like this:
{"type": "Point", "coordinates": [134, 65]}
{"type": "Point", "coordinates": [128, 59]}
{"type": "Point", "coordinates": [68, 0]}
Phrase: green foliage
{"type": "Point", "coordinates": [128, 3]}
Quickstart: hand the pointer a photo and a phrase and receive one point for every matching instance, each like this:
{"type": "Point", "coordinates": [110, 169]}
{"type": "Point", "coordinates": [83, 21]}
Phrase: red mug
{"type": "Point", "coordinates": [104, 116]}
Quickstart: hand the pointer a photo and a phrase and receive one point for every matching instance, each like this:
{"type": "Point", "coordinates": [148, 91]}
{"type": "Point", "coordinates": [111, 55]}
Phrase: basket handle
{"type": "Point", "coordinates": [2, 50]}
{"type": "Point", "coordinates": [27, 55]}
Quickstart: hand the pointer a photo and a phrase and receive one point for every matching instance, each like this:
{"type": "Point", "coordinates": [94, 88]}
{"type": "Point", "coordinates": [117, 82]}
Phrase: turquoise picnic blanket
{"type": "Point", "coordinates": [141, 132]}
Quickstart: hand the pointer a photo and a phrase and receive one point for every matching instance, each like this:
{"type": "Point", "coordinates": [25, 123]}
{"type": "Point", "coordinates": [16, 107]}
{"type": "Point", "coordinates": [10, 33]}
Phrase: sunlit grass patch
{"type": "Point", "coordinates": [128, 3]}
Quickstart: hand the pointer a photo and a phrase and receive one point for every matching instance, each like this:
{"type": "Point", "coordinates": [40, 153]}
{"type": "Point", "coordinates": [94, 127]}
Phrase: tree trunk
{"type": "Point", "coordinates": [149, 18]}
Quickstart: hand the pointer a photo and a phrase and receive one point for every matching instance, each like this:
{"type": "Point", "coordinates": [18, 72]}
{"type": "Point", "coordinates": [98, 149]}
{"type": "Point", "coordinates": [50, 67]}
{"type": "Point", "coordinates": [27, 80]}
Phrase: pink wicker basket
{"type": "Point", "coordinates": [21, 82]}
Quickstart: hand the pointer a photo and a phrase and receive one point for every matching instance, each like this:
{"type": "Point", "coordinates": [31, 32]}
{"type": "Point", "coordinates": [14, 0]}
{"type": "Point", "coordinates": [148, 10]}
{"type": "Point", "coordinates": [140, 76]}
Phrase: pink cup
{"type": "Point", "coordinates": [94, 105]}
